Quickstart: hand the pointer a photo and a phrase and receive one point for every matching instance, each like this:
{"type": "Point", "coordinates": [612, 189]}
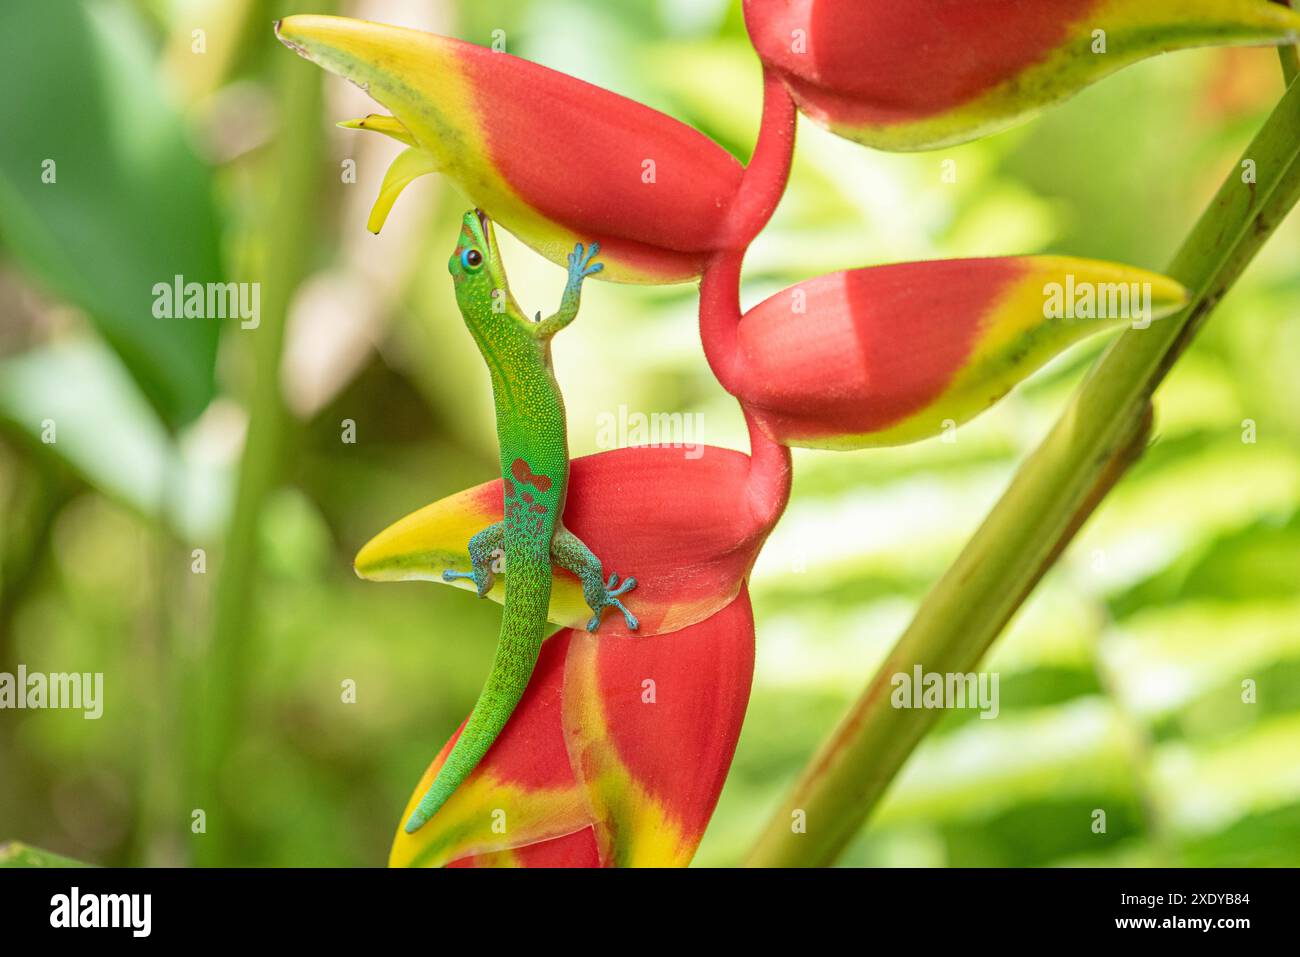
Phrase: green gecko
{"type": "Point", "coordinates": [535, 477]}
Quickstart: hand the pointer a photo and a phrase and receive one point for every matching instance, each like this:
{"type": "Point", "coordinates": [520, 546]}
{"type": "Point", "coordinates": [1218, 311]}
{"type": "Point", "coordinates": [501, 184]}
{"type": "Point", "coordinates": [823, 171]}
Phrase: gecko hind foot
{"type": "Point", "coordinates": [610, 600]}
{"type": "Point", "coordinates": [622, 589]}
{"type": "Point", "coordinates": [569, 552]}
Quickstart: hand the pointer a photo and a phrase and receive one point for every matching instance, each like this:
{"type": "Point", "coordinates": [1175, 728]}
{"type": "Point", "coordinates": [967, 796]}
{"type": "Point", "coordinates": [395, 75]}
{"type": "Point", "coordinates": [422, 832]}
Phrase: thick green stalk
{"type": "Point", "coordinates": [1290, 54]}
{"type": "Point", "coordinates": [289, 232]}
{"type": "Point", "coordinates": [1101, 432]}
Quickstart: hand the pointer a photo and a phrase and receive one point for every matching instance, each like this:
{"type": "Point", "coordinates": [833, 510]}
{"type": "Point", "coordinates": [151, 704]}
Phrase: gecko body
{"type": "Point", "coordinates": [533, 442]}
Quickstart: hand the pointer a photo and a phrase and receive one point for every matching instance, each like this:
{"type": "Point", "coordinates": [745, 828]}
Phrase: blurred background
{"type": "Point", "coordinates": [192, 518]}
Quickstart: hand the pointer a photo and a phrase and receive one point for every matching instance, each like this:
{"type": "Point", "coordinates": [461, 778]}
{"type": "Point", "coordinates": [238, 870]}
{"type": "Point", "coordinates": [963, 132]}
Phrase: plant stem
{"type": "Point", "coordinates": [764, 180]}
{"type": "Point", "coordinates": [159, 842]}
{"type": "Point", "coordinates": [1102, 431]}
{"type": "Point", "coordinates": [290, 231]}
{"type": "Point", "coordinates": [1290, 54]}
{"type": "Point", "coordinates": [761, 188]}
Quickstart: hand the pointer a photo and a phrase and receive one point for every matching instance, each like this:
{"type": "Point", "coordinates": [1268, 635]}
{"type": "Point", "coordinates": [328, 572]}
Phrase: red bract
{"type": "Point", "coordinates": [551, 158]}
{"type": "Point", "coordinates": [891, 354]}
{"type": "Point", "coordinates": [688, 529]}
{"type": "Point", "coordinates": [923, 74]}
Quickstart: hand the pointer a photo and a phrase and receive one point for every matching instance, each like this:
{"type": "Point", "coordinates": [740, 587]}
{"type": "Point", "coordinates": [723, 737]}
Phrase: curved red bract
{"type": "Point", "coordinates": [685, 528]}
{"type": "Point", "coordinates": [550, 157]}
{"type": "Point", "coordinates": [588, 172]}
{"type": "Point", "coordinates": [587, 726]}
{"type": "Point", "coordinates": [625, 696]}
{"type": "Point", "coordinates": [882, 61]}
{"type": "Point", "coordinates": [853, 352]}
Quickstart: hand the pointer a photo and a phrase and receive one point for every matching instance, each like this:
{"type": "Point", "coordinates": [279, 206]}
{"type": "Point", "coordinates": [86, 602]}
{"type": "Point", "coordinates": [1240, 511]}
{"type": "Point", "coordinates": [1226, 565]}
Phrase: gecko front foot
{"type": "Point", "coordinates": [581, 265]}
{"type": "Point", "coordinates": [482, 580]}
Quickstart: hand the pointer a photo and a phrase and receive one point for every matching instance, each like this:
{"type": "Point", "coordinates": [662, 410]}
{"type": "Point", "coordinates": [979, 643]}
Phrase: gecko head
{"type": "Point", "coordinates": [475, 263]}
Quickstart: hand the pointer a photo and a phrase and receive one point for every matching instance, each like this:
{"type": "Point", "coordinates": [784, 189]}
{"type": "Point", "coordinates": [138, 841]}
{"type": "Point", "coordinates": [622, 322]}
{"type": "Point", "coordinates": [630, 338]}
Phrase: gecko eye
{"type": "Point", "coordinates": [471, 259]}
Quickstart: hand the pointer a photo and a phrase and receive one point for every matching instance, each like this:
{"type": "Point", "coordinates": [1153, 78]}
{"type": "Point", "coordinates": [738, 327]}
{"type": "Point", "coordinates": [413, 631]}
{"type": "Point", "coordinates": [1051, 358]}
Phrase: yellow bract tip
{"type": "Point", "coordinates": [379, 123]}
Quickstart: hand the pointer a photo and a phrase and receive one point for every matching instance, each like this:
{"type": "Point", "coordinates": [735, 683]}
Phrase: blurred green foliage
{"type": "Point", "coordinates": [126, 202]}
{"type": "Point", "coordinates": [1121, 680]}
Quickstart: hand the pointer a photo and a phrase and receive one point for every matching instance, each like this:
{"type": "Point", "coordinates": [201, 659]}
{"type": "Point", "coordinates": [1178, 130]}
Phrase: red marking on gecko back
{"type": "Point", "coordinates": [523, 473]}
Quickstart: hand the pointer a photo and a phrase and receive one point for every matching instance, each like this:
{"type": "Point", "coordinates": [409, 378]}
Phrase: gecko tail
{"type": "Point", "coordinates": [516, 656]}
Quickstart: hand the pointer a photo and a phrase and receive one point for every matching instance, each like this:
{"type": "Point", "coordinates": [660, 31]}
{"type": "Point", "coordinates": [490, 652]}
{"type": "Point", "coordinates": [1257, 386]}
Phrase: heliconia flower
{"type": "Point", "coordinates": [615, 756]}
{"type": "Point", "coordinates": [553, 159]}
{"type": "Point", "coordinates": [688, 529]}
{"type": "Point", "coordinates": [893, 354]}
{"type": "Point", "coordinates": [931, 73]}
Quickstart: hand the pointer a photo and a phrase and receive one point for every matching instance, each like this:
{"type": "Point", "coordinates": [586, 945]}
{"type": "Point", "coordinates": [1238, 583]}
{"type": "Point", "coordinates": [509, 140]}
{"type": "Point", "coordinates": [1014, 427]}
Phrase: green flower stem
{"type": "Point", "coordinates": [1290, 54]}
{"type": "Point", "coordinates": [223, 673]}
{"type": "Point", "coordinates": [1104, 428]}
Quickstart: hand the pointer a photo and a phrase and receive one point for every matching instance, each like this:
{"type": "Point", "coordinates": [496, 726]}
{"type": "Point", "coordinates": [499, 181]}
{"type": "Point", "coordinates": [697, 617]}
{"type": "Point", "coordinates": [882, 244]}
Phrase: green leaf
{"type": "Point", "coordinates": [74, 400]}
{"type": "Point", "coordinates": [129, 204]}
{"type": "Point", "coordinates": [15, 854]}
